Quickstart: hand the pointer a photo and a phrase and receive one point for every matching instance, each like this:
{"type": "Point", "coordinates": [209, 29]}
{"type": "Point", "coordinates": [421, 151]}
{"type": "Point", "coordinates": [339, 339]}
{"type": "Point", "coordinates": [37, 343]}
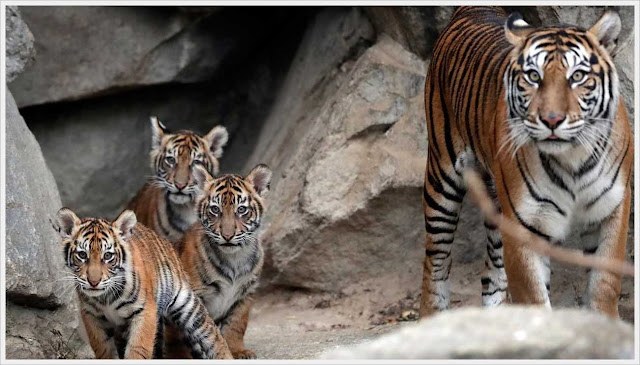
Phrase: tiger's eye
{"type": "Point", "coordinates": [82, 255]}
{"type": "Point", "coordinates": [533, 75]}
{"type": "Point", "coordinates": [577, 76]}
{"type": "Point", "coordinates": [170, 160]}
{"type": "Point", "coordinates": [242, 209]}
{"type": "Point", "coordinates": [107, 256]}
{"type": "Point", "coordinates": [215, 210]}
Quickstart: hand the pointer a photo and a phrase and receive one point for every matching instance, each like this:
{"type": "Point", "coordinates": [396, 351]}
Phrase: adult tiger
{"type": "Point", "coordinates": [128, 282]}
{"type": "Point", "coordinates": [538, 111]}
{"type": "Point", "coordinates": [166, 202]}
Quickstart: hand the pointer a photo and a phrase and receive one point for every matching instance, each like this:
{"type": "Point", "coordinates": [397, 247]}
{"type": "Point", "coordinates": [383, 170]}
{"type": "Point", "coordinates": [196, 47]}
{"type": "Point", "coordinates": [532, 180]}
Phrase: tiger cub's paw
{"type": "Point", "coordinates": [244, 354]}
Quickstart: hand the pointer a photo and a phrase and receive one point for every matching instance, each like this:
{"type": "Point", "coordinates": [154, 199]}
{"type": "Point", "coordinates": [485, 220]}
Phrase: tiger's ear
{"type": "Point", "coordinates": [201, 176]}
{"type": "Point", "coordinates": [516, 29]}
{"type": "Point", "coordinates": [217, 138]}
{"type": "Point", "coordinates": [124, 224]}
{"type": "Point", "coordinates": [260, 178]}
{"type": "Point", "coordinates": [66, 223]}
{"type": "Point", "coordinates": [158, 131]}
{"type": "Point", "coordinates": [607, 29]}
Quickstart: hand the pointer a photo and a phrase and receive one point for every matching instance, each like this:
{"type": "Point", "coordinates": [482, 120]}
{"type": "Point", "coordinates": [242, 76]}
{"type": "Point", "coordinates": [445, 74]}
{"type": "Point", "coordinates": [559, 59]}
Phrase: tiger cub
{"type": "Point", "coordinates": [129, 280]}
{"type": "Point", "coordinates": [222, 254]}
{"type": "Point", "coordinates": [166, 202]}
{"type": "Point", "coordinates": [538, 111]}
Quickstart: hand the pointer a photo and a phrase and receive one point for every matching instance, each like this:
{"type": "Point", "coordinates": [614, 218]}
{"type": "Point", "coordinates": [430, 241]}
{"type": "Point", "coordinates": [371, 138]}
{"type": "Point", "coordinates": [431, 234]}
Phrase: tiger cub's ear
{"type": "Point", "coordinates": [516, 29]}
{"type": "Point", "coordinates": [217, 138]}
{"type": "Point", "coordinates": [260, 179]}
{"type": "Point", "coordinates": [201, 176]}
{"type": "Point", "coordinates": [158, 131]}
{"type": "Point", "coordinates": [124, 224]}
{"type": "Point", "coordinates": [607, 29]}
{"type": "Point", "coordinates": [66, 223]}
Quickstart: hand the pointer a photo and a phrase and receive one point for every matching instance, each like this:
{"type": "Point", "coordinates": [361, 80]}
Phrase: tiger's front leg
{"type": "Point", "coordinates": [604, 287]}
{"type": "Point", "coordinates": [233, 331]}
{"type": "Point", "coordinates": [142, 333]}
{"type": "Point", "coordinates": [101, 344]}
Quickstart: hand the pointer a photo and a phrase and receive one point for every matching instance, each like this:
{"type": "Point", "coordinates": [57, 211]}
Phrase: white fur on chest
{"type": "Point", "coordinates": [590, 205]}
{"type": "Point", "coordinates": [219, 303]}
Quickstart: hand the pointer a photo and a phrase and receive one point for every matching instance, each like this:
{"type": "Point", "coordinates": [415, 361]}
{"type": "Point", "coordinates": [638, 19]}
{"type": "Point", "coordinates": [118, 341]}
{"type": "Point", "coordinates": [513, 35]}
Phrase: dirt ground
{"type": "Point", "coordinates": [297, 324]}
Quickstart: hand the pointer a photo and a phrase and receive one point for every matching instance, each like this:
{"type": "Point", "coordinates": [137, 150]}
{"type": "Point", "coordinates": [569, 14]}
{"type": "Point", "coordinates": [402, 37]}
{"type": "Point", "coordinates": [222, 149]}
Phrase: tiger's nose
{"type": "Point", "coordinates": [94, 283]}
{"type": "Point", "coordinates": [180, 186]}
{"type": "Point", "coordinates": [227, 238]}
{"type": "Point", "coordinates": [552, 120]}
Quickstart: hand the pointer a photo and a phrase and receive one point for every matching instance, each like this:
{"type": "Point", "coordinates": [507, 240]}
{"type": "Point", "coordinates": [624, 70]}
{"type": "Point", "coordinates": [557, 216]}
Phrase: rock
{"type": "Point", "coordinates": [46, 334]}
{"type": "Point", "coordinates": [99, 147]}
{"type": "Point", "coordinates": [20, 50]}
{"type": "Point", "coordinates": [345, 186]}
{"type": "Point", "coordinates": [90, 51]}
{"type": "Point", "coordinates": [414, 27]}
{"type": "Point", "coordinates": [34, 259]}
{"type": "Point", "coordinates": [507, 332]}
{"type": "Point", "coordinates": [42, 313]}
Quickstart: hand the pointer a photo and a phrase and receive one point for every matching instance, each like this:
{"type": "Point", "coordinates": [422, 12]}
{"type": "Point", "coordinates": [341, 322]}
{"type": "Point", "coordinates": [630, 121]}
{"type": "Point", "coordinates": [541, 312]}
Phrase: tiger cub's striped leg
{"type": "Point", "coordinates": [189, 315]}
{"type": "Point", "coordinates": [233, 331]}
{"type": "Point", "coordinates": [142, 332]}
{"type": "Point", "coordinates": [604, 287]}
{"type": "Point", "coordinates": [101, 343]}
{"type": "Point", "coordinates": [442, 199]}
{"type": "Point", "coordinates": [494, 279]}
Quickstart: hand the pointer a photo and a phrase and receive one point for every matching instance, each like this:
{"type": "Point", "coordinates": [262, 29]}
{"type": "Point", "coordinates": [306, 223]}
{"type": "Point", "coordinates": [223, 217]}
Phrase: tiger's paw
{"type": "Point", "coordinates": [244, 354]}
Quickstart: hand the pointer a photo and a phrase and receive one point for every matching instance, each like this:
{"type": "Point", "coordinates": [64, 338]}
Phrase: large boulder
{"type": "Point", "coordinates": [506, 332]}
{"type": "Point", "coordinates": [86, 51]}
{"type": "Point", "coordinates": [346, 185]}
{"type": "Point", "coordinates": [20, 50]}
{"type": "Point", "coordinates": [34, 256]}
{"type": "Point", "coordinates": [42, 313]}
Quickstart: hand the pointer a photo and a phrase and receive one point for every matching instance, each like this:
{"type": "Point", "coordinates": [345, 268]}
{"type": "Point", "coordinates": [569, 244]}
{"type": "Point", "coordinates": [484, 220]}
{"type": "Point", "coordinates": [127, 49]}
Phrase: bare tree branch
{"type": "Point", "coordinates": [478, 191]}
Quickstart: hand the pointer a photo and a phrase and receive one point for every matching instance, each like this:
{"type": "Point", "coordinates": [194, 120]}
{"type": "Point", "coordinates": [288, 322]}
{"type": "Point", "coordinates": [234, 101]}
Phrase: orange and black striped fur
{"type": "Point", "coordinates": [222, 254]}
{"type": "Point", "coordinates": [129, 281]}
{"type": "Point", "coordinates": [538, 111]}
{"type": "Point", "coordinates": [166, 202]}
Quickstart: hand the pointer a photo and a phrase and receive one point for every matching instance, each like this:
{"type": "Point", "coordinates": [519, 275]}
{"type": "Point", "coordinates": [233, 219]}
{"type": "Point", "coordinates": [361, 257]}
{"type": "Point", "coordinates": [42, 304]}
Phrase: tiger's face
{"type": "Point", "coordinates": [95, 250]}
{"type": "Point", "coordinates": [561, 84]}
{"type": "Point", "coordinates": [230, 207]}
{"type": "Point", "coordinates": [173, 156]}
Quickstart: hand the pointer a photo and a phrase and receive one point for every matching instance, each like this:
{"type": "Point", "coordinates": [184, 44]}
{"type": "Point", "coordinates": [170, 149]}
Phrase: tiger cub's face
{"type": "Point", "coordinates": [562, 86]}
{"type": "Point", "coordinates": [173, 156]}
{"type": "Point", "coordinates": [230, 207]}
{"type": "Point", "coordinates": [95, 250]}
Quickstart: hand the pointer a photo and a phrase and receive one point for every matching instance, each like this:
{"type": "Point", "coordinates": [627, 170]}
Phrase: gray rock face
{"type": "Point", "coordinates": [346, 184]}
{"type": "Point", "coordinates": [507, 332]}
{"type": "Point", "coordinates": [20, 50]}
{"type": "Point", "coordinates": [414, 27]}
{"type": "Point", "coordinates": [42, 314]}
{"type": "Point", "coordinates": [34, 258]}
{"type": "Point", "coordinates": [89, 51]}
{"type": "Point", "coordinates": [99, 147]}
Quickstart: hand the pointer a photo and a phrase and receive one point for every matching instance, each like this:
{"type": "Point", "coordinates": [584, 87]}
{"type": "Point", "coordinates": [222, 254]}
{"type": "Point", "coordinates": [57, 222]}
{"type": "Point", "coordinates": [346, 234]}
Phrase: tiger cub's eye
{"type": "Point", "coordinates": [82, 255]}
{"type": "Point", "coordinates": [170, 160]}
{"type": "Point", "coordinates": [533, 75]}
{"type": "Point", "coordinates": [107, 256]}
{"type": "Point", "coordinates": [577, 76]}
{"type": "Point", "coordinates": [242, 209]}
{"type": "Point", "coordinates": [215, 210]}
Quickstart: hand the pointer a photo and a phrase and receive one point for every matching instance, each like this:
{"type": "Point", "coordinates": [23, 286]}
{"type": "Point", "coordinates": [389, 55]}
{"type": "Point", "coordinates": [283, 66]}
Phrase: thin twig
{"type": "Point", "coordinates": [537, 244]}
